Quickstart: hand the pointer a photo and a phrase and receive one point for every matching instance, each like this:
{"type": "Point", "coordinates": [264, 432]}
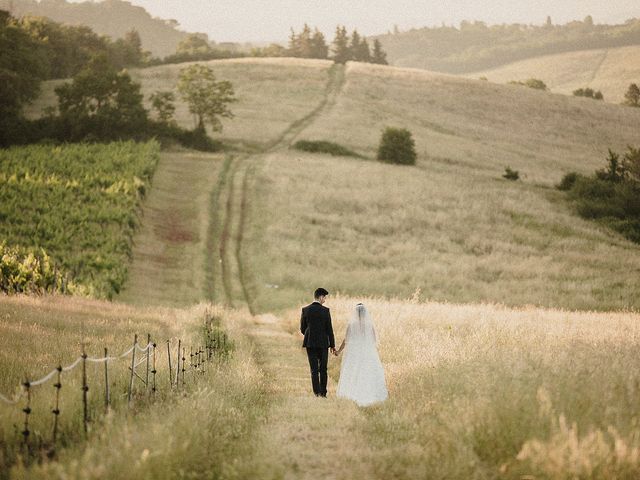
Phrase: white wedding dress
{"type": "Point", "coordinates": [361, 372]}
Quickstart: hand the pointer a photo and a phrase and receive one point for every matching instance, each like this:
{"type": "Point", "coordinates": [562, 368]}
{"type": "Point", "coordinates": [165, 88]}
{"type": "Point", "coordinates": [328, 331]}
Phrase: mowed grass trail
{"type": "Point", "coordinates": [609, 70]}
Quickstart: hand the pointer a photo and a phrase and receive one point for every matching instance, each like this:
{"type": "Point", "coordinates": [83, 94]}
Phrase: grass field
{"type": "Point", "coordinates": [198, 430]}
{"type": "Point", "coordinates": [451, 225]}
{"type": "Point", "coordinates": [477, 390]}
{"type": "Point", "coordinates": [608, 70]}
{"type": "Point", "coordinates": [484, 391]}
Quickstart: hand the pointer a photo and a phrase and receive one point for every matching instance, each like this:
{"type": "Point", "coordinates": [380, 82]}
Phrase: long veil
{"type": "Point", "coordinates": [361, 372]}
{"type": "Point", "coordinates": [360, 328]}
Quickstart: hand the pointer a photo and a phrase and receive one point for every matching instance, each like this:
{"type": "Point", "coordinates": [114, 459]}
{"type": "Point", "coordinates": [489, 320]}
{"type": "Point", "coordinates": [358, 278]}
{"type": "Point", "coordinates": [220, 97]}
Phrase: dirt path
{"type": "Point", "coordinates": [305, 437]}
{"type": "Point", "coordinates": [229, 281]}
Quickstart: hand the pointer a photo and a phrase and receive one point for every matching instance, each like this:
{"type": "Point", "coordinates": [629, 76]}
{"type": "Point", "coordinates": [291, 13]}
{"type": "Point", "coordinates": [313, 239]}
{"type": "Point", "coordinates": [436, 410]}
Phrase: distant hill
{"type": "Point", "coordinates": [477, 46]}
{"type": "Point", "coordinates": [608, 70]}
{"type": "Point", "coordinates": [109, 17]}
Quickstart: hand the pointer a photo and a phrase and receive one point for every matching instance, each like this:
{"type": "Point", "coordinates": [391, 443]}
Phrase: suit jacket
{"type": "Point", "coordinates": [315, 324]}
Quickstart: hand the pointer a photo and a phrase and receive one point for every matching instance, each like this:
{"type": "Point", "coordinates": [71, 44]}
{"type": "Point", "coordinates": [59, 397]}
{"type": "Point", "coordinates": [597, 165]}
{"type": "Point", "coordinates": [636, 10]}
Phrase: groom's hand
{"type": "Point", "coordinates": [333, 350]}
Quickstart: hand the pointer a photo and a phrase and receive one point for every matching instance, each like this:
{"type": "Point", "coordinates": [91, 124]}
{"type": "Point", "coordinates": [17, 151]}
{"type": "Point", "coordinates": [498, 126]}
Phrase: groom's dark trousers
{"type": "Point", "coordinates": [318, 358]}
{"type": "Point", "coordinates": [315, 325]}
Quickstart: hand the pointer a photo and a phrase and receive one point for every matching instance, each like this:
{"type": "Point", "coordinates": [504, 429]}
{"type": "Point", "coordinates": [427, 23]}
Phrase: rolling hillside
{"type": "Point", "coordinates": [450, 226]}
{"type": "Point", "coordinates": [608, 70]}
{"type": "Point", "coordinates": [477, 390]}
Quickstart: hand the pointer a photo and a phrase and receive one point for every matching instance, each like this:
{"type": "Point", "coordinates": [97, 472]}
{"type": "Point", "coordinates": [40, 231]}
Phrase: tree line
{"type": "Point", "coordinates": [312, 44]}
{"type": "Point", "coordinates": [476, 46]}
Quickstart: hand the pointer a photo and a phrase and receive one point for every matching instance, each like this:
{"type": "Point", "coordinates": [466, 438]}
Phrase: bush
{"type": "Point", "coordinates": [611, 195]}
{"type": "Point", "coordinates": [567, 181]}
{"type": "Point", "coordinates": [397, 146]}
{"type": "Point", "coordinates": [588, 93]}
{"type": "Point", "coordinates": [511, 174]}
{"type": "Point", "coordinates": [322, 146]}
{"type": "Point", "coordinates": [534, 83]}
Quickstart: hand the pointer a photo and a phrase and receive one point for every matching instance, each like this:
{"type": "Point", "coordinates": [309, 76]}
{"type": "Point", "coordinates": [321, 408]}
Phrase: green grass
{"type": "Point", "coordinates": [79, 203]}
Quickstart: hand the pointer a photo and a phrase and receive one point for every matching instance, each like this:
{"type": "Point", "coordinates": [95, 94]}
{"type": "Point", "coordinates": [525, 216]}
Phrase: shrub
{"type": "Point", "coordinates": [397, 146]}
{"type": "Point", "coordinates": [322, 146]}
{"type": "Point", "coordinates": [611, 195]}
{"type": "Point", "coordinates": [534, 83]}
{"type": "Point", "coordinates": [567, 181]}
{"type": "Point", "coordinates": [588, 93]}
{"type": "Point", "coordinates": [511, 174]}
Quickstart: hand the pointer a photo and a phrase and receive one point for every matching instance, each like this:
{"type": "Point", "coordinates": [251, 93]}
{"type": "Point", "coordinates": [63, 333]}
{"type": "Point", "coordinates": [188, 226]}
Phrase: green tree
{"type": "Point", "coordinates": [631, 164]}
{"type": "Point", "coordinates": [359, 47]}
{"type": "Point", "coordinates": [102, 101]}
{"type": "Point", "coordinates": [208, 98]}
{"type": "Point", "coordinates": [340, 46]}
{"type": "Point", "coordinates": [614, 171]}
{"type": "Point", "coordinates": [194, 44]}
{"type": "Point", "coordinates": [162, 103]}
{"type": "Point", "coordinates": [632, 97]}
{"type": "Point", "coordinates": [319, 48]}
{"type": "Point", "coordinates": [22, 67]}
{"type": "Point", "coordinates": [128, 51]}
{"type": "Point", "coordinates": [397, 146]}
{"type": "Point", "coordinates": [378, 56]}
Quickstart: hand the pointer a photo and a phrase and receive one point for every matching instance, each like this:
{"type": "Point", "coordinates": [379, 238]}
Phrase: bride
{"type": "Point", "coordinates": [361, 373]}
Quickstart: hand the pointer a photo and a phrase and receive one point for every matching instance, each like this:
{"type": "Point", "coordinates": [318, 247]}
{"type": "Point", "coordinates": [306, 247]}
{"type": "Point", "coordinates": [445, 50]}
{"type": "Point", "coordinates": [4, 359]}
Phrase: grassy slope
{"type": "Point", "coordinates": [170, 249]}
{"type": "Point", "coordinates": [371, 227]}
{"type": "Point", "coordinates": [202, 432]}
{"type": "Point", "coordinates": [450, 225]}
{"type": "Point", "coordinates": [608, 70]}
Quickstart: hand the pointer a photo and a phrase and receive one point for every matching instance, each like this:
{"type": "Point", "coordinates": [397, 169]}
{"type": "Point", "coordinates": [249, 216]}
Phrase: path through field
{"type": "Point", "coordinates": [305, 436]}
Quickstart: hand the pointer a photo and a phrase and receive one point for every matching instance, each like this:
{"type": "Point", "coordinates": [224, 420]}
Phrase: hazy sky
{"type": "Point", "coordinates": [255, 20]}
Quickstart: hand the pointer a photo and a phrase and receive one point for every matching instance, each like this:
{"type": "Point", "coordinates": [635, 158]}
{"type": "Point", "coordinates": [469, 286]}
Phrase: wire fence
{"type": "Point", "coordinates": [142, 370]}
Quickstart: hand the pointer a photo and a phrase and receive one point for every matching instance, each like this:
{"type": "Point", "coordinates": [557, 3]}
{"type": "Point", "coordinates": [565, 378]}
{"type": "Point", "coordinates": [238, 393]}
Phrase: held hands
{"type": "Point", "coordinates": [334, 351]}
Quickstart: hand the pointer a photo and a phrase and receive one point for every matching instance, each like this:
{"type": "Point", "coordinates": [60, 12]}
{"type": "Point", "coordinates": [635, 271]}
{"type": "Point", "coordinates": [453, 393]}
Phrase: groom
{"type": "Point", "coordinates": [315, 325]}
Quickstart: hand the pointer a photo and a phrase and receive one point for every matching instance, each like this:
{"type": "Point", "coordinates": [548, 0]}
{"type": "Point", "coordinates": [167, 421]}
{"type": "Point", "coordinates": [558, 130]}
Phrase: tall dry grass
{"type": "Point", "coordinates": [486, 391]}
{"type": "Point", "coordinates": [271, 94]}
{"type": "Point", "coordinates": [455, 230]}
{"type": "Point", "coordinates": [203, 430]}
{"type": "Point", "coordinates": [608, 70]}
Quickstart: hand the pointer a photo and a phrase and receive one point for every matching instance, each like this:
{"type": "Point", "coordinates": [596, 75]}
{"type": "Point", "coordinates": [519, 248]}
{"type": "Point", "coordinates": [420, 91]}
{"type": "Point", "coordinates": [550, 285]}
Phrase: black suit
{"type": "Point", "coordinates": [315, 324]}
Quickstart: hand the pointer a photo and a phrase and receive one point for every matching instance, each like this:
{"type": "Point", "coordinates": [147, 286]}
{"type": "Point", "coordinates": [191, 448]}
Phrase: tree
{"type": "Point", "coordinates": [162, 103]}
{"type": "Point", "coordinates": [631, 164]}
{"type": "Point", "coordinates": [359, 48]}
{"type": "Point", "coordinates": [194, 44]}
{"type": "Point", "coordinates": [207, 98]}
{"type": "Point", "coordinates": [102, 100]}
{"type": "Point", "coordinates": [614, 171]}
{"type": "Point", "coordinates": [340, 47]}
{"type": "Point", "coordinates": [319, 48]}
{"type": "Point", "coordinates": [22, 67]}
{"type": "Point", "coordinates": [128, 51]}
{"type": "Point", "coordinates": [632, 97]}
{"type": "Point", "coordinates": [379, 56]}
{"type": "Point", "coordinates": [397, 146]}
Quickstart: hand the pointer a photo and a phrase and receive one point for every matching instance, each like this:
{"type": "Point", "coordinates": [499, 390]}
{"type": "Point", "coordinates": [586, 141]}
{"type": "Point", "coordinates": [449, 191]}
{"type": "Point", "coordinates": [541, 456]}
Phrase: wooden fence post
{"type": "Point", "coordinates": [56, 409]}
{"type": "Point", "coordinates": [146, 383]}
{"type": "Point", "coordinates": [133, 367]}
{"type": "Point", "coordinates": [184, 350]}
{"type": "Point", "coordinates": [107, 399]}
{"type": "Point", "coordinates": [27, 412]}
{"type": "Point", "coordinates": [178, 365]}
{"type": "Point", "coordinates": [85, 389]}
{"type": "Point", "coordinates": [153, 389]}
{"type": "Point", "coordinates": [169, 357]}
